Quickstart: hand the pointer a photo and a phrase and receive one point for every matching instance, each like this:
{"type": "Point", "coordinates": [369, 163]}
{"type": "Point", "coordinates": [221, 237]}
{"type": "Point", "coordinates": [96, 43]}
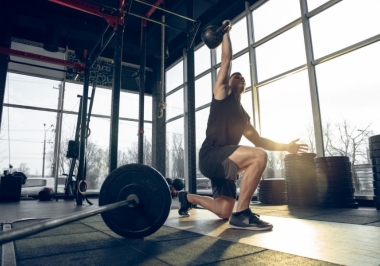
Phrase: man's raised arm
{"type": "Point", "coordinates": [221, 88]}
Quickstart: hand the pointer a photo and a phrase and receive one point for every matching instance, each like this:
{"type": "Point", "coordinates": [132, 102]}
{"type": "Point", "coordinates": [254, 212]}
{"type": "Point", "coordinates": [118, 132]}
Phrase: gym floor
{"type": "Point", "coordinates": [324, 236]}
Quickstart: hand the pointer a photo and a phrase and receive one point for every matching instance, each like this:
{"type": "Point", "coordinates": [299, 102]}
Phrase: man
{"type": "Point", "coordinates": [221, 158]}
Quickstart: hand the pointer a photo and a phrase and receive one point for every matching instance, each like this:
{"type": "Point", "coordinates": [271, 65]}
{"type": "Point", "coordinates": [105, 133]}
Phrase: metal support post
{"type": "Point", "coordinates": [190, 110]}
{"type": "Point", "coordinates": [141, 93]}
{"type": "Point", "coordinates": [115, 105]}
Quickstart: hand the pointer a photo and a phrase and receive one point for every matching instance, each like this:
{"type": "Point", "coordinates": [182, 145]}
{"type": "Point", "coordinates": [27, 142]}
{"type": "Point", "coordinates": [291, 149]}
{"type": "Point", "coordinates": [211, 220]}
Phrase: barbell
{"type": "Point", "coordinates": [134, 202]}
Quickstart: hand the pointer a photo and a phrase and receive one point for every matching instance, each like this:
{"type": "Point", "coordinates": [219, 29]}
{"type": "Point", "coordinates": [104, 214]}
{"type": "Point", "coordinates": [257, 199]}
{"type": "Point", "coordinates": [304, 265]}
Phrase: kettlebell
{"type": "Point", "coordinates": [212, 35]}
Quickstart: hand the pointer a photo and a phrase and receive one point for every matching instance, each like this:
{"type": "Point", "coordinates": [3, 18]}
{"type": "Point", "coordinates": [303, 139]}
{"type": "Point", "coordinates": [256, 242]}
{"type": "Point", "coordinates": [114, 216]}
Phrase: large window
{"type": "Point", "coordinates": [174, 77]}
{"type": "Point", "coordinates": [203, 90]}
{"type": "Point", "coordinates": [28, 135]}
{"type": "Point", "coordinates": [349, 94]}
{"type": "Point", "coordinates": [273, 15]}
{"type": "Point", "coordinates": [31, 91]}
{"type": "Point", "coordinates": [286, 115]}
{"type": "Point", "coordinates": [175, 149]}
{"type": "Point", "coordinates": [281, 54]}
{"type": "Point", "coordinates": [344, 24]}
{"type": "Point", "coordinates": [202, 60]}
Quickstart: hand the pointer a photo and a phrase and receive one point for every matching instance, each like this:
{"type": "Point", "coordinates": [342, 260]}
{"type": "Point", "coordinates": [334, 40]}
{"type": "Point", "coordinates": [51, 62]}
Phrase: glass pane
{"type": "Point", "coordinates": [97, 150]}
{"type": "Point", "coordinates": [241, 64]}
{"type": "Point", "coordinates": [203, 90]}
{"type": "Point", "coordinates": [313, 4]}
{"type": "Point", "coordinates": [346, 23]}
{"type": "Point", "coordinates": [238, 36]}
{"type": "Point", "coordinates": [349, 97]}
{"type": "Point", "coordinates": [71, 102]}
{"type": "Point", "coordinates": [31, 91]}
{"type": "Point", "coordinates": [128, 143]}
{"type": "Point", "coordinates": [246, 102]}
{"type": "Point", "coordinates": [102, 101]}
{"type": "Point", "coordinates": [285, 109]}
{"type": "Point", "coordinates": [285, 115]}
{"type": "Point", "coordinates": [174, 77]}
{"type": "Point", "coordinates": [281, 54]}
{"type": "Point", "coordinates": [174, 105]}
{"type": "Point", "coordinates": [273, 15]}
{"type": "Point", "coordinates": [22, 139]}
{"type": "Point", "coordinates": [175, 153]}
{"type": "Point", "coordinates": [129, 106]}
{"type": "Point", "coordinates": [202, 60]}
{"type": "Point", "coordinates": [201, 118]}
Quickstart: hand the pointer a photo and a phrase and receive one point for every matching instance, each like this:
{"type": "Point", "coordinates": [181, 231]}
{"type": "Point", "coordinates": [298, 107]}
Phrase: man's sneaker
{"type": "Point", "coordinates": [185, 205]}
{"type": "Point", "coordinates": [249, 221]}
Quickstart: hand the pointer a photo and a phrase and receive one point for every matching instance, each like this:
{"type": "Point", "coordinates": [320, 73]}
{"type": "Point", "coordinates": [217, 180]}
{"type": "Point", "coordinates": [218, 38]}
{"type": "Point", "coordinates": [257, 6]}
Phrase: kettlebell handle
{"type": "Point", "coordinates": [222, 28]}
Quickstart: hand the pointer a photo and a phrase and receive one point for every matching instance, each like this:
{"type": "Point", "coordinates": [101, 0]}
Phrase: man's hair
{"type": "Point", "coordinates": [236, 73]}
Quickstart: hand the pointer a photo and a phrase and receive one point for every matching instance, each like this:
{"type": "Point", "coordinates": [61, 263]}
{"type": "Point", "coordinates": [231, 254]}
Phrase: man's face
{"type": "Point", "coordinates": [237, 81]}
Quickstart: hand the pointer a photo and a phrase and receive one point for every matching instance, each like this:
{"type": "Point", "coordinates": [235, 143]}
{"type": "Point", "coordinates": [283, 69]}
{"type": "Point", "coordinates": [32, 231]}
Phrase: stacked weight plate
{"type": "Point", "coordinates": [300, 176]}
{"type": "Point", "coordinates": [374, 150]}
{"type": "Point", "coordinates": [334, 182]}
{"type": "Point", "coordinates": [272, 191]}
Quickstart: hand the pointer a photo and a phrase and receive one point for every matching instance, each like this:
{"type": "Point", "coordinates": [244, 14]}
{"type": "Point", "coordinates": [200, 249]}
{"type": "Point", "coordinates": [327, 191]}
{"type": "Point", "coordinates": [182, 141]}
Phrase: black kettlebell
{"type": "Point", "coordinates": [212, 35]}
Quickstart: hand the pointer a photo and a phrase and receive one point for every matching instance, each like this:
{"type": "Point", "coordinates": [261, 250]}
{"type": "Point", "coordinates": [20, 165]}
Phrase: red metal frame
{"type": "Point", "coordinates": [94, 10]}
{"type": "Point", "coordinates": [80, 67]}
{"type": "Point", "coordinates": [151, 10]}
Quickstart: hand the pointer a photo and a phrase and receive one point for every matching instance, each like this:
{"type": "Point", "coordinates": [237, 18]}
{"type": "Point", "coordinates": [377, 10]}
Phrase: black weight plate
{"type": "Point", "coordinates": [290, 163]}
{"type": "Point", "coordinates": [376, 199]}
{"type": "Point", "coordinates": [281, 189]}
{"type": "Point", "coordinates": [376, 184]}
{"type": "Point", "coordinates": [154, 200]}
{"type": "Point", "coordinates": [302, 201]}
{"type": "Point", "coordinates": [375, 161]}
{"type": "Point", "coordinates": [334, 175]}
{"type": "Point", "coordinates": [376, 191]}
{"type": "Point", "coordinates": [332, 164]}
{"type": "Point", "coordinates": [309, 195]}
{"type": "Point", "coordinates": [374, 146]}
{"type": "Point", "coordinates": [333, 169]}
{"type": "Point", "coordinates": [308, 162]}
{"type": "Point", "coordinates": [332, 159]}
{"type": "Point", "coordinates": [374, 154]}
{"type": "Point", "coordinates": [273, 180]}
{"type": "Point", "coordinates": [272, 198]}
{"type": "Point", "coordinates": [265, 194]}
{"type": "Point", "coordinates": [375, 138]}
{"type": "Point", "coordinates": [334, 185]}
{"type": "Point", "coordinates": [299, 168]}
{"type": "Point", "coordinates": [300, 186]}
{"type": "Point", "coordinates": [337, 190]}
{"type": "Point", "coordinates": [300, 171]}
{"type": "Point", "coordinates": [302, 155]}
{"type": "Point", "coordinates": [336, 194]}
{"type": "Point", "coordinates": [376, 168]}
{"type": "Point", "coordinates": [278, 188]}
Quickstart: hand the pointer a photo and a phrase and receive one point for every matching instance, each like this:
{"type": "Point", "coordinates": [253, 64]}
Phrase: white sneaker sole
{"type": "Point", "coordinates": [252, 228]}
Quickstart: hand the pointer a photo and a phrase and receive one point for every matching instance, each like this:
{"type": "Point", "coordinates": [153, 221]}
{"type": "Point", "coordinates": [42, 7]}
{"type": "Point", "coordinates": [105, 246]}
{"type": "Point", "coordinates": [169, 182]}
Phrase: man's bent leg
{"type": "Point", "coordinates": [253, 162]}
{"type": "Point", "coordinates": [222, 206]}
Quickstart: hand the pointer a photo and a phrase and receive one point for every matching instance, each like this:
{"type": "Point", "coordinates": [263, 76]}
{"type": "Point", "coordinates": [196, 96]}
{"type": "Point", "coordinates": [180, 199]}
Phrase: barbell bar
{"type": "Point", "coordinates": [134, 202]}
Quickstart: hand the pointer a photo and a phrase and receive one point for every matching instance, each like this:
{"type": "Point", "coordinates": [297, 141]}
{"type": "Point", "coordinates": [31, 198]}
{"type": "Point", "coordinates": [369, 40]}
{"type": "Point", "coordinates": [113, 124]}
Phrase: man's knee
{"type": "Point", "coordinates": [224, 214]}
{"type": "Point", "coordinates": [261, 157]}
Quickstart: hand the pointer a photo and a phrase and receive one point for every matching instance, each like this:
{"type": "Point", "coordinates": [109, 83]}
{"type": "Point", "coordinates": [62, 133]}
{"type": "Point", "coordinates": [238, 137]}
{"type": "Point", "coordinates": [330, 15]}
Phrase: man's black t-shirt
{"type": "Point", "coordinates": [225, 127]}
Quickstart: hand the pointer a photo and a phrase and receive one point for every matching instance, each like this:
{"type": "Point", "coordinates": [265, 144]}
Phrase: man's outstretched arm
{"type": "Point", "coordinates": [253, 136]}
